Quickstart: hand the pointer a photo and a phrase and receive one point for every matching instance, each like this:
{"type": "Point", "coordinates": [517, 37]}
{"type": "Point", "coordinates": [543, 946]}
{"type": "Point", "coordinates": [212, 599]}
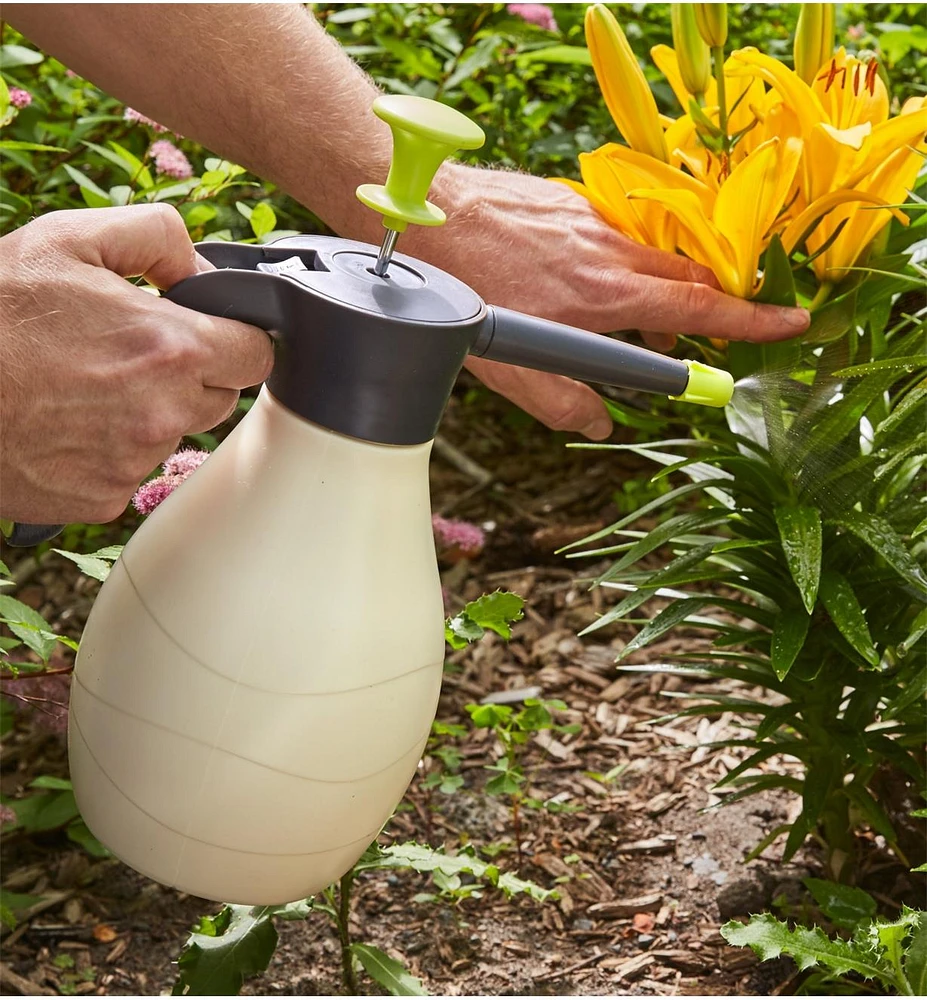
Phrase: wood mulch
{"type": "Point", "coordinates": [646, 864]}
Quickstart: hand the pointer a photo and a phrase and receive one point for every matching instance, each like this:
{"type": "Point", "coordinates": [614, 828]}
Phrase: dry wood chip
{"type": "Point", "coordinates": [627, 967]}
{"type": "Point", "coordinates": [626, 907]}
{"type": "Point", "coordinates": [516, 947]}
{"type": "Point", "coordinates": [663, 844]}
{"type": "Point", "coordinates": [616, 690]}
{"type": "Point", "coordinates": [22, 986]}
{"type": "Point", "coordinates": [663, 802]}
{"type": "Point", "coordinates": [685, 961]}
{"type": "Point", "coordinates": [509, 697]}
{"type": "Point", "coordinates": [554, 747]}
{"type": "Point", "coordinates": [587, 677]}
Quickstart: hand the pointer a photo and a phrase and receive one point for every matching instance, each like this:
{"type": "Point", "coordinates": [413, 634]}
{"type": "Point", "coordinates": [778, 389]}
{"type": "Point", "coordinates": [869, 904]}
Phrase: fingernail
{"type": "Point", "coordinates": [799, 318]}
{"type": "Point", "coordinates": [598, 429]}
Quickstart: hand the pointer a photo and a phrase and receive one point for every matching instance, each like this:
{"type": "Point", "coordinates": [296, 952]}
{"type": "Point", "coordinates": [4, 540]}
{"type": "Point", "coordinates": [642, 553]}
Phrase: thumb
{"type": "Point", "coordinates": [149, 240]}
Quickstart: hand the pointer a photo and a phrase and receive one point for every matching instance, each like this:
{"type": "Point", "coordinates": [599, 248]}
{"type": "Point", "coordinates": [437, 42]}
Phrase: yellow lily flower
{"type": "Point", "coordinates": [612, 171]}
{"type": "Point", "coordinates": [851, 91]}
{"type": "Point", "coordinates": [624, 87]}
{"type": "Point", "coordinates": [731, 236]}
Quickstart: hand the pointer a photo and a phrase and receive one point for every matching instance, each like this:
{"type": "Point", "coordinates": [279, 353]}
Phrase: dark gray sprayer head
{"type": "Point", "coordinates": [376, 357]}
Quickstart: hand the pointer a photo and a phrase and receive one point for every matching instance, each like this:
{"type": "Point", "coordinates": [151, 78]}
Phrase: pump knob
{"type": "Point", "coordinates": [425, 133]}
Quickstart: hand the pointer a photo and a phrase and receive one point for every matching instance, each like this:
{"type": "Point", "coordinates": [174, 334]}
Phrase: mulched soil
{"type": "Point", "coordinates": [646, 868]}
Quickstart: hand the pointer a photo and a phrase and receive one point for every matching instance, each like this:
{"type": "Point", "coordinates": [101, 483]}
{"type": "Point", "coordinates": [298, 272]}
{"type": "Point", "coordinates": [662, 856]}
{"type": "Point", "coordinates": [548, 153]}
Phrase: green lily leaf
{"type": "Point", "coordinates": [845, 906]}
{"type": "Point", "coordinates": [879, 535]}
{"type": "Point", "coordinates": [668, 618]}
{"type": "Point", "coordinates": [787, 640]}
{"type": "Point", "coordinates": [845, 612]}
{"type": "Point", "coordinates": [801, 533]}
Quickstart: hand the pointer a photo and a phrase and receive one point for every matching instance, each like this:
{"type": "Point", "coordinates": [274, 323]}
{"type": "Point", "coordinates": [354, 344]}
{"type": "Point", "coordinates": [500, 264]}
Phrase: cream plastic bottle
{"type": "Point", "coordinates": [259, 674]}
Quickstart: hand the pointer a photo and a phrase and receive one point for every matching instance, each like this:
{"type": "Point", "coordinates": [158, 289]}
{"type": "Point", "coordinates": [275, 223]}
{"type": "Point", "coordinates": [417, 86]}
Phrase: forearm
{"type": "Point", "coordinates": [260, 84]}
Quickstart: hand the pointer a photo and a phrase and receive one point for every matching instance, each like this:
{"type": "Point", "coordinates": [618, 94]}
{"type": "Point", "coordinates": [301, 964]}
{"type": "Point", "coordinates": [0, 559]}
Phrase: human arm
{"type": "Point", "coordinates": [265, 86]}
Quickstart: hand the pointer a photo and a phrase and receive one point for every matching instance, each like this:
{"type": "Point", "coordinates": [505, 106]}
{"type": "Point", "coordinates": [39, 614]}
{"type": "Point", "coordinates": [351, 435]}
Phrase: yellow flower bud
{"type": "Point", "coordinates": [814, 39]}
{"type": "Point", "coordinates": [692, 54]}
{"type": "Point", "coordinates": [624, 87]}
{"type": "Point", "coordinates": [711, 19]}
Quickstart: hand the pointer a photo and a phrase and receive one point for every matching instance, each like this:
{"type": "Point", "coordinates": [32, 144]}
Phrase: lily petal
{"type": "Point", "coordinates": [715, 249]}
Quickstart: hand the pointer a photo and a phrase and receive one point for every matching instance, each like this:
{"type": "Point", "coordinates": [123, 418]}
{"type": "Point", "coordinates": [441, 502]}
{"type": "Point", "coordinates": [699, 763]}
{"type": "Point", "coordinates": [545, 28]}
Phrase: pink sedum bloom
{"type": "Point", "coordinates": [131, 115]}
{"type": "Point", "coordinates": [183, 462]}
{"type": "Point", "coordinates": [169, 160]}
{"type": "Point", "coordinates": [534, 13]}
{"type": "Point", "coordinates": [174, 471]}
{"type": "Point", "coordinates": [458, 538]}
{"type": "Point", "coordinates": [20, 98]}
{"type": "Point", "coordinates": [7, 815]}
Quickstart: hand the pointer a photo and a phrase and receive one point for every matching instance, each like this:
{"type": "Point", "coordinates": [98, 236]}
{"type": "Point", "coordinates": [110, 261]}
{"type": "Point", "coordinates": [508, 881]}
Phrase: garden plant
{"type": "Point", "coordinates": [785, 540]}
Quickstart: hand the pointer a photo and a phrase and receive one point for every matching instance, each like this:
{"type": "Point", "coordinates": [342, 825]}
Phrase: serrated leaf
{"type": "Point", "coordinates": [769, 938]}
{"type": "Point", "coordinates": [90, 566]}
{"type": "Point", "coordinates": [789, 632]}
{"type": "Point", "coordinates": [389, 973]}
{"type": "Point", "coordinates": [844, 609]}
{"type": "Point", "coordinates": [28, 625]}
{"type": "Point", "coordinates": [668, 618]}
{"type": "Point", "coordinates": [882, 538]}
{"type": "Point", "coordinates": [801, 534]}
{"type": "Point", "coordinates": [496, 612]}
{"type": "Point", "coordinates": [218, 965]}
{"type": "Point", "coordinates": [845, 906]}
{"type": "Point", "coordinates": [915, 961]}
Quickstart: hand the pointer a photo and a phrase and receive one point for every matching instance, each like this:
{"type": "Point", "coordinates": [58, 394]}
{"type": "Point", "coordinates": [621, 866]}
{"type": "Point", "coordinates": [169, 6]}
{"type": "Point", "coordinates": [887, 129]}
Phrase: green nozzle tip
{"type": "Point", "coordinates": [707, 386]}
{"type": "Point", "coordinates": [425, 133]}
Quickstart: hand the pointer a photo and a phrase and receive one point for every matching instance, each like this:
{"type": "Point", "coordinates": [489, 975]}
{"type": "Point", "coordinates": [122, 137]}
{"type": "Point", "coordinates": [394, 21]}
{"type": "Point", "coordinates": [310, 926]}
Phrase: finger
{"type": "Point", "coordinates": [230, 355]}
{"type": "Point", "coordinates": [150, 240]}
{"type": "Point", "coordinates": [659, 341]}
{"type": "Point", "coordinates": [662, 264]}
{"type": "Point", "coordinates": [673, 306]}
{"type": "Point", "coordinates": [559, 402]}
{"type": "Point", "coordinates": [215, 407]}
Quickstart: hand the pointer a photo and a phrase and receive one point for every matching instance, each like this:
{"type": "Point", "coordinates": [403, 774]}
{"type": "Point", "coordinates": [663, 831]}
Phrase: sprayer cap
{"type": "Point", "coordinates": [707, 386]}
{"type": "Point", "coordinates": [425, 133]}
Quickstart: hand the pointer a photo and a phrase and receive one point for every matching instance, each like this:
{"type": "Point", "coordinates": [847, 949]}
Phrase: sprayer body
{"type": "Point", "coordinates": [259, 674]}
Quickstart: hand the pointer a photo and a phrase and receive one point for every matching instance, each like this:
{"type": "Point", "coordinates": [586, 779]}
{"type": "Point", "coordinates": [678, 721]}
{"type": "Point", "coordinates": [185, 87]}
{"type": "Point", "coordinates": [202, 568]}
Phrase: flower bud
{"type": "Point", "coordinates": [814, 39]}
{"type": "Point", "coordinates": [623, 84]}
{"type": "Point", "coordinates": [692, 54]}
{"type": "Point", "coordinates": [711, 19]}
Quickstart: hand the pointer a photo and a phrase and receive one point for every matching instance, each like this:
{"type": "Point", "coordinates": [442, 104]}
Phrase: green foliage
{"type": "Point", "coordinates": [225, 950]}
{"type": "Point", "coordinates": [386, 971]}
{"type": "Point", "coordinates": [491, 612]}
{"type": "Point", "coordinates": [808, 554]}
{"type": "Point", "coordinates": [893, 953]}
{"type": "Point", "coordinates": [96, 564]}
{"type": "Point", "coordinates": [53, 807]}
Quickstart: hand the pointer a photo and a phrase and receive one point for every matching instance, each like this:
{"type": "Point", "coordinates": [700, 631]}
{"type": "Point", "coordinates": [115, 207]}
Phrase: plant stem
{"type": "Point", "coordinates": [343, 914]}
{"type": "Point", "coordinates": [516, 829]}
{"type": "Point", "coordinates": [717, 56]}
{"type": "Point", "coordinates": [821, 296]}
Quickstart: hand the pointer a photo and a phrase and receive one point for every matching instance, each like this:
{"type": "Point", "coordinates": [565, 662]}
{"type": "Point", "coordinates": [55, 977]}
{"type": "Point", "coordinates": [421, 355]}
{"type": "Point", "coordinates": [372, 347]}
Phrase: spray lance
{"type": "Point", "coordinates": [260, 671]}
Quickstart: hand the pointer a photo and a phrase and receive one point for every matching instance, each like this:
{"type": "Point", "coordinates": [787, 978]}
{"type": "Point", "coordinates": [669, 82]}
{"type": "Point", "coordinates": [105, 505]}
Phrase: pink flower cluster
{"type": "Point", "coordinates": [534, 13]}
{"type": "Point", "coordinates": [131, 115]}
{"type": "Point", "coordinates": [174, 471]}
{"type": "Point", "coordinates": [457, 538]}
{"type": "Point", "coordinates": [169, 160]}
{"type": "Point", "coordinates": [20, 98]}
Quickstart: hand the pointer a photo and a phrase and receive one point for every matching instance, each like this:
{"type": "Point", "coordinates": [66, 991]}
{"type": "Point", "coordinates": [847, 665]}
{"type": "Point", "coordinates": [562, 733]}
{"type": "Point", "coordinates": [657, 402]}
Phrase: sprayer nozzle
{"type": "Point", "coordinates": [707, 386]}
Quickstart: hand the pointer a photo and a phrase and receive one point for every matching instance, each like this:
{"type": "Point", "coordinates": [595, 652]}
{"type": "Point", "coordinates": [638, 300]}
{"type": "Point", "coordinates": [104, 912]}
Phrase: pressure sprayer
{"type": "Point", "coordinates": [260, 672]}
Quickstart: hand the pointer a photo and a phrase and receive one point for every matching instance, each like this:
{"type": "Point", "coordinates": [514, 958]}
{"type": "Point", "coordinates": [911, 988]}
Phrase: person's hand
{"type": "Point", "coordinates": [100, 380]}
{"type": "Point", "coordinates": [536, 246]}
